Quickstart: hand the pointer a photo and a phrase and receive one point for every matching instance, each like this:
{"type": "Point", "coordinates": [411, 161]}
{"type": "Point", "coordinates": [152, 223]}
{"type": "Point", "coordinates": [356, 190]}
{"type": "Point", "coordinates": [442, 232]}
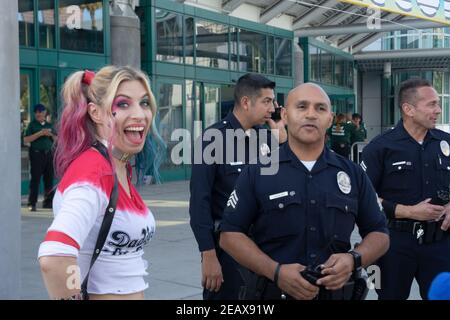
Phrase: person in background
{"type": "Point", "coordinates": [358, 133]}
{"type": "Point", "coordinates": [339, 135]}
{"type": "Point", "coordinates": [41, 136]}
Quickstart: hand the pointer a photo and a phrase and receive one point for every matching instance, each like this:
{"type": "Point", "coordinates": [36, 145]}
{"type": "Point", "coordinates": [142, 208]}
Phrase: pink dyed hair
{"type": "Point", "coordinates": [76, 131]}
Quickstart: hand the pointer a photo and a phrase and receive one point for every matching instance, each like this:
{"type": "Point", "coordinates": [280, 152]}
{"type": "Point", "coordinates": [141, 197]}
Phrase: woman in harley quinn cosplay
{"type": "Point", "coordinates": [107, 115]}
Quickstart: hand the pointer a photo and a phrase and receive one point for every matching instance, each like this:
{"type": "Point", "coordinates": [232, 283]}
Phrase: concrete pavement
{"type": "Point", "coordinates": [174, 261]}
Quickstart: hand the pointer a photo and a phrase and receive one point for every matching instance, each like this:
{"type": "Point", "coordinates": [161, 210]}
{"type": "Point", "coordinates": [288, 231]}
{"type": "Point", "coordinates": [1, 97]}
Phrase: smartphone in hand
{"type": "Point", "coordinates": [276, 116]}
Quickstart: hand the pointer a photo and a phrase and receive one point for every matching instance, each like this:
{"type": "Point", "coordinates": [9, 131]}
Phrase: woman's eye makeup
{"type": "Point", "coordinates": [145, 102]}
{"type": "Point", "coordinates": [122, 102]}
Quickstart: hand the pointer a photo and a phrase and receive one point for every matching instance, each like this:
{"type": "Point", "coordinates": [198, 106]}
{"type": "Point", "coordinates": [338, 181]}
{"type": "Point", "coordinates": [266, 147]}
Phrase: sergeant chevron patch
{"type": "Point", "coordinates": [232, 201]}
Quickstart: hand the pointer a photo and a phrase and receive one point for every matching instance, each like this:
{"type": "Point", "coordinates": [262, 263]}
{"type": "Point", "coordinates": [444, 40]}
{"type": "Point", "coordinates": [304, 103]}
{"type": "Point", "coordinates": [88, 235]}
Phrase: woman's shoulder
{"type": "Point", "coordinates": [90, 167]}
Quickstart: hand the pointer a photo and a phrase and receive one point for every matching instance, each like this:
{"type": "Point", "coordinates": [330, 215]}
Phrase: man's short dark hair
{"type": "Point", "coordinates": [249, 85]}
{"type": "Point", "coordinates": [39, 108]}
{"type": "Point", "coordinates": [408, 90]}
{"type": "Point", "coordinates": [356, 116]}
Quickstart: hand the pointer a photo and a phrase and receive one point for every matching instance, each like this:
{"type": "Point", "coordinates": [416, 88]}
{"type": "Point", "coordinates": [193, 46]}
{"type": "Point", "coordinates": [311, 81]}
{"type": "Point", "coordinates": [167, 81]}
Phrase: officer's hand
{"type": "Point", "coordinates": [446, 222]}
{"type": "Point", "coordinates": [338, 269]}
{"type": "Point", "coordinates": [212, 277]}
{"type": "Point", "coordinates": [291, 282]}
{"type": "Point", "coordinates": [46, 132]}
{"type": "Point", "coordinates": [424, 211]}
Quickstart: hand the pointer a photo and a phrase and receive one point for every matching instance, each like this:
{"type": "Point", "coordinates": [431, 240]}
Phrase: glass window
{"type": "Point", "coordinates": [140, 12]}
{"type": "Point", "coordinates": [25, 106]}
{"type": "Point", "coordinates": [438, 81]}
{"type": "Point", "coordinates": [340, 70]}
{"type": "Point", "coordinates": [445, 109]}
{"type": "Point", "coordinates": [234, 48]}
{"type": "Point", "coordinates": [271, 55]}
{"type": "Point", "coordinates": [446, 83]}
{"type": "Point", "coordinates": [193, 108]}
{"type": "Point", "coordinates": [169, 36]}
{"type": "Point", "coordinates": [212, 105]}
{"type": "Point", "coordinates": [189, 36]}
{"type": "Point", "coordinates": [314, 54]}
{"type": "Point", "coordinates": [46, 20]}
{"type": "Point", "coordinates": [170, 116]}
{"type": "Point", "coordinates": [283, 57]}
{"type": "Point", "coordinates": [47, 91]}
{"type": "Point", "coordinates": [350, 74]}
{"type": "Point", "coordinates": [212, 44]}
{"type": "Point", "coordinates": [252, 51]}
{"type": "Point", "coordinates": [81, 26]}
{"type": "Point", "coordinates": [25, 16]}
{"type": "Point", "coordinates": [326, 66]}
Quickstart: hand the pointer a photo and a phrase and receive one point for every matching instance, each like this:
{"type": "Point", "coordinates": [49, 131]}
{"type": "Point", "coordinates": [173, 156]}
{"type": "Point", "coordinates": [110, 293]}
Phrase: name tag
{"type": "Point", "coordinates": [278, 195]}
{"type": "Point", "coordinates": [239, 163]}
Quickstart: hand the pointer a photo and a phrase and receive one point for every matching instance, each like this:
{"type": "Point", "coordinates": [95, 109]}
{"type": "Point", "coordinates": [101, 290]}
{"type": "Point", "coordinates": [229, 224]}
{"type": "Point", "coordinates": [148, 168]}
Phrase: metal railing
{"type": "Point", "coordinates": [355, 156]}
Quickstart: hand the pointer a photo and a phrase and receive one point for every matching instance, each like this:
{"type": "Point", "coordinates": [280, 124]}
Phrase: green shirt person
{"type": "Point", "coordinates": [339, 136]}
{"type": "Point", "coordinates": [358, 132]}
{"type": "Point", "coordinates": [40, 135]}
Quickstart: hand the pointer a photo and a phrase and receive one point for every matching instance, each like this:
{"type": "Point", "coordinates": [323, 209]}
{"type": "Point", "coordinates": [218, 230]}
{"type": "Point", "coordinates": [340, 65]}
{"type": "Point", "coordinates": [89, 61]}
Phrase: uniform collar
{"type": "Point", "coordinates": [234, 122]}
{"type": "Point", "coordinates": [400, 133]}
{"type": "Point", "coordinates": [326, 158]}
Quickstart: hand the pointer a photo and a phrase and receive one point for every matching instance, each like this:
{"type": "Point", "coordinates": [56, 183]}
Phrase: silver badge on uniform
{"type": "Point", "coordinates": [264, 149]}
{"type": "Point", "coordinates": [445, 148]}
{"type": "Point", "coordinates": [344, 183]}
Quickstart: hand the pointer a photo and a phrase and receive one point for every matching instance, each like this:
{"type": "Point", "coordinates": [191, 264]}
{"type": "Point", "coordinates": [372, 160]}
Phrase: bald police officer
{"type": "Point", "coordinates": [212, 181]}
{"type": "Point", "coordinates": [410, 169]}
{"type": "Point", "coordinates": [305, 214]}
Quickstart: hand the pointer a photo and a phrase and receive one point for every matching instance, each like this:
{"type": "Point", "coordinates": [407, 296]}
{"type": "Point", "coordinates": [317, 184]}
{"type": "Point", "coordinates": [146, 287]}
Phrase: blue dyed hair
{"type": "Point", "coordinates": [152, 156]}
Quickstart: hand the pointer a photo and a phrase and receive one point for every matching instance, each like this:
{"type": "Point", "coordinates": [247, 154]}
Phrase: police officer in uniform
{"type": "Point", "coordinates": [305, 214]}
{"type": "Point", "coordinates": [409, 166]}
{"type": "Point", "coordinates": [40, 134]}
{"type": "Point", "coordinates": [212, 181]}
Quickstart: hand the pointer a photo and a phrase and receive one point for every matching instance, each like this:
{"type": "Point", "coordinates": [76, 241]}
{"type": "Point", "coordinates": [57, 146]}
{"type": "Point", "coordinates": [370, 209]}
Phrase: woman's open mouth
{"type": "Point", "coordinates": [135, 134]}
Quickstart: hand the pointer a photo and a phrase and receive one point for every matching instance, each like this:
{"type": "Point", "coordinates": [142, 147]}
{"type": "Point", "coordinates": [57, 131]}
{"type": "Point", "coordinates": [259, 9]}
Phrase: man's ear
{"type": "Point", "coordinates": [95, 112]}
{"type": "Point", "coordinates": [407, 109]}
{"type": "Point", "coordinates": [330, 120]}
{"type": "Point", "coordinates": [245, 103]}
{"type": "Point", "coordinates": [283, 113]}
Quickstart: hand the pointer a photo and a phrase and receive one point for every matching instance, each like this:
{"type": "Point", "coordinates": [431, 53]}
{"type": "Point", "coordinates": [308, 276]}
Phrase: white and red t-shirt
{"type": "Point", "coordinates": [79, 206]}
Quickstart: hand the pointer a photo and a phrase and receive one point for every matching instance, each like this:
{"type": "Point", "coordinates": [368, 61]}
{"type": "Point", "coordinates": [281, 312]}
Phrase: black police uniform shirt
{"type": "Point", "coordinates": [406, 172]}
{"type": "Point", "coordinates": [211, 184]}
{"type": "Point", "coordinates": [301, 216]}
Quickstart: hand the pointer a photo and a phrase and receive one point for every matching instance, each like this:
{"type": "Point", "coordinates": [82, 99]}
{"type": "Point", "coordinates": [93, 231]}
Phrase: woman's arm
{"type": "Point", "coordinates": [61, 276]}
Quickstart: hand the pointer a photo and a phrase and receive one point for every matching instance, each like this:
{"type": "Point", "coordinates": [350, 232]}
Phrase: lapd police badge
{"type": "Point", "coordinates": [445, 148]}
{"type": "Point", "coordinates": [344, 183]}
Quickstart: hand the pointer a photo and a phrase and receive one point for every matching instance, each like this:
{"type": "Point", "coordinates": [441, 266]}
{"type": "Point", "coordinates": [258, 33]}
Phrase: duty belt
{"type": "Point", "coordinates": [425, 231]}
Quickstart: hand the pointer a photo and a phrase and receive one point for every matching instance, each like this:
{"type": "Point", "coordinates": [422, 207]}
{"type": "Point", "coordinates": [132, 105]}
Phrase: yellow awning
{"type": "Point", "coordinates": [434, 10]}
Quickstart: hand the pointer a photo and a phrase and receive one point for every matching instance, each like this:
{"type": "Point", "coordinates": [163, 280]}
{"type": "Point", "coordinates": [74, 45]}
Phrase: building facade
{"type": "Point", "coordinates": [193, 57]}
